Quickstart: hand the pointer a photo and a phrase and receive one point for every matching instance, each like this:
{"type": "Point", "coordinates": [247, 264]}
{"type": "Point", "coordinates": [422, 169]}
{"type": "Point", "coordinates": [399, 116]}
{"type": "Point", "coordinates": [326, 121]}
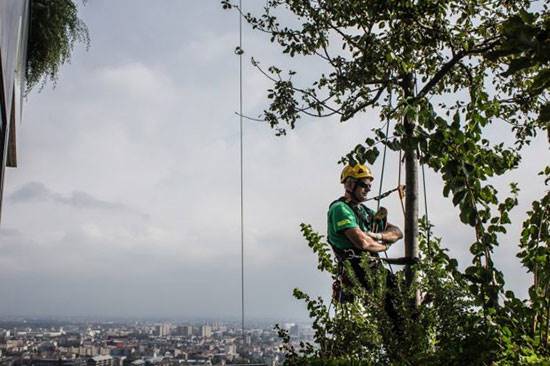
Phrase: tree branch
{"type": "Point", "coordinates": [367, 103]}
{"type": "Point", "coordinates": [451, 63]}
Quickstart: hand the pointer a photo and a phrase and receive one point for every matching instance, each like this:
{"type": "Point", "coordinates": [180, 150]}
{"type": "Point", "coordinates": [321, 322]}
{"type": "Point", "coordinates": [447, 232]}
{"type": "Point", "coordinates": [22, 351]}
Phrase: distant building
{"type": "Point", "coordinates": [69, 340]}
{"type": "Point", "coordinates": [184, 330]}
{"type": "Point", "coordinates": [206, 331]}
{"type": "Point", "coordinates": [163, 330]}
{"type": "Point", "coordinates": [271, 361]}
{"type": "Point", "coordinates": [230, 350]}
{"type": "Point", "coordinates": [14, 26]}
{"type": "Point", "coordinates": [100, 361]}
{"type": "Point", "coordinates": [156, 361]}
{"type": "Point", "coordinates": [47, 346]}
{"type": "Point", "coordinates": [88, 350]}
{"type": "Point", "coordinates": [119, 360]}
{"type": "Point", "coordinates": [59, 362]}
{"type": "Point", "coordinates": [294, 331]}
{"type": "Point", "coordinates": [104, 351]}
{"type": "Point", "coordinates": [180, 354]}
{"type": "Point", "coordinates": [188, 330]}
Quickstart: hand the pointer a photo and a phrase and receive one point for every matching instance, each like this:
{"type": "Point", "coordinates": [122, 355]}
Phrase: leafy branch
{"type": "Point", "coordinates": [54, 31]}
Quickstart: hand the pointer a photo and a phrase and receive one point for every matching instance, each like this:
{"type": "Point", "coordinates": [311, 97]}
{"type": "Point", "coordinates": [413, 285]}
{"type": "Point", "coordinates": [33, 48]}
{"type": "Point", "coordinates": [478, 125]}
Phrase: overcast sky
{"type": "Point", "coordinates": [126, 198]}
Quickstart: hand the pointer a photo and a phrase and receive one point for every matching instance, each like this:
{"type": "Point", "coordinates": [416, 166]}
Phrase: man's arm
{"type": "Point", "coordinates": [391, 234]}
{"type": "Point", "coordinates": [362, 241]}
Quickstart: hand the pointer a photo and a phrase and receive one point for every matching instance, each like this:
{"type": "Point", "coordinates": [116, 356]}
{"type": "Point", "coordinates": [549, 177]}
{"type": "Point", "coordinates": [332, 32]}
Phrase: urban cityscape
{"type": "Point", "coordinates": [142, 343]}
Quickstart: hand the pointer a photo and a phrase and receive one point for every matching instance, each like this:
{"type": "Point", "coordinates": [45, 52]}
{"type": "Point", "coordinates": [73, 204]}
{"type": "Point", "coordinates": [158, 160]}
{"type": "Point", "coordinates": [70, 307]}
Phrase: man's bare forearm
{"type": "Point", "coordinates": [363, 241]}
{"type": "Point", "coordinates": [390, 235]}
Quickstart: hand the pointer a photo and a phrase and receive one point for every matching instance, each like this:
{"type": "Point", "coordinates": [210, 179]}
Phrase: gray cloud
{"type": "Point", "coordinates": [33, 191]}
{"type": "Point", "coordinates": [37, 192]}
{"type": "Point", "coordinates": [5, 232]}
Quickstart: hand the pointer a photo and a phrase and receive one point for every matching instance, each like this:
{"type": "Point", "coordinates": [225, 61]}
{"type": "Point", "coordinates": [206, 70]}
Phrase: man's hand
{"type": "Point", "coordinates": [375, 236]}
{"type": "Point", "coordinates": [390, 235]}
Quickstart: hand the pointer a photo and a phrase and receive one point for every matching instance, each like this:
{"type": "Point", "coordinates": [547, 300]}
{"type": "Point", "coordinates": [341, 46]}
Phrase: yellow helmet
{"type": "Point", "coordinates": [357, 171]}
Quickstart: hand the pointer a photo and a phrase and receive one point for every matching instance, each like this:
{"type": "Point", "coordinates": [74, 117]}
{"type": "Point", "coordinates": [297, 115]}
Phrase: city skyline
{"type": "Point", "coordinates": [141, 344]}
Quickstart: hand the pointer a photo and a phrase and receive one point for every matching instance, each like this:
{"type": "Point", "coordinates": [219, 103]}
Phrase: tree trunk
{"type": "Point", "coordinates": [411, 181]}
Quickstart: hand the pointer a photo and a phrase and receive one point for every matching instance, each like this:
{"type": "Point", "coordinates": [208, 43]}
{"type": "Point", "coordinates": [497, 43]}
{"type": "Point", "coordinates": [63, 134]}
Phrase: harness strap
{"type": "Point", "coordinates": [366, 220]}
{"type": "Point", "coordinates": [387, 193]}
{"type": "Point", "coordinates": [352, 255]}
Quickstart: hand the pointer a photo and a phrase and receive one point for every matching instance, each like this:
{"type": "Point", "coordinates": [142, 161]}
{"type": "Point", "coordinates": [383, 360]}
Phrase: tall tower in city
{"type": "Point", "coordinates": [163, 330]}
{"type": "Point", "coordinates": [188, 330]}
{"type": "Point", "coordinates": [206, 331]}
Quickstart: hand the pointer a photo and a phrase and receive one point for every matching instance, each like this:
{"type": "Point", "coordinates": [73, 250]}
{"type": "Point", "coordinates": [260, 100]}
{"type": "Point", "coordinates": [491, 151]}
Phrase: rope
{"type": "Point", "coordinates": [241, 159]}
{"type": "Point", "coordinates": [426, 209]}
{"type": "Point", "coordinates": [424, 183]}
{"type": "Point", "coordinates": [382, 172]}
{"type": "Point", "coordinates": [384, 195]}
{"type": "Point", "coordinates": [399, 181]}
{"type": "Point", "coordinates": [383, 162]}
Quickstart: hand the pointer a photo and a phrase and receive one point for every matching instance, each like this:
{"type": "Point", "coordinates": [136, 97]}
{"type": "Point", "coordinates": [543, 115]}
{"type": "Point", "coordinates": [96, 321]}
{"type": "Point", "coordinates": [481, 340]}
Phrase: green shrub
{"type": "Point", "coordinates": [452, 325]}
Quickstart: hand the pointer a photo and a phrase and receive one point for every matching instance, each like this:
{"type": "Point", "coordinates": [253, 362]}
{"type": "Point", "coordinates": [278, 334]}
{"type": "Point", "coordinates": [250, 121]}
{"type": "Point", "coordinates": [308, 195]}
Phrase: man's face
{"type": "Point", "coordinates": [363, 187]}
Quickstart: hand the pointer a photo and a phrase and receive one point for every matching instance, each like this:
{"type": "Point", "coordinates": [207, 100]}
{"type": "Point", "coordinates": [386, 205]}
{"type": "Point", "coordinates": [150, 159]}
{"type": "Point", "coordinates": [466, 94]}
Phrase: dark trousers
{"type": "Point", "coordinates": [366, 281]}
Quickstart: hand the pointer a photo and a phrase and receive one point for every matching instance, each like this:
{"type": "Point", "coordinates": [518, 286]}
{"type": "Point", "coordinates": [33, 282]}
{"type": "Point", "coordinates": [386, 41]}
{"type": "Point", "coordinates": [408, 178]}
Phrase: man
{"type": "Point", "coordinates": [353, 229]}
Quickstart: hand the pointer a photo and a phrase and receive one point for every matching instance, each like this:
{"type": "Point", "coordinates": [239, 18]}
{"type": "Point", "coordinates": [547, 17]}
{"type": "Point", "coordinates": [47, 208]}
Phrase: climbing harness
{"type": "Point", "coordinates": [375, 222]}
{"type": "Point", "coordinates": [371, 222]}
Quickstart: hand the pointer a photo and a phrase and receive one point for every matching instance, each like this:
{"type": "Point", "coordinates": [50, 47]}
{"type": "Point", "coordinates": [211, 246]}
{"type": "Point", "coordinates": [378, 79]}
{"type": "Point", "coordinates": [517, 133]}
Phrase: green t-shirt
{"type": "Point", "coordinates": [342, 217]}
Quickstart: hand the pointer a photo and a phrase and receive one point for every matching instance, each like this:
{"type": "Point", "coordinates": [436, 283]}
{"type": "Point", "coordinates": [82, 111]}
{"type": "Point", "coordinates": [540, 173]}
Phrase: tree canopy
{"type": "Point", "coordinates": [454, 68]}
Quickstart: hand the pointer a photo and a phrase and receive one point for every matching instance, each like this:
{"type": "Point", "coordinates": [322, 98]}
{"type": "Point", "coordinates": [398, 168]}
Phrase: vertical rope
{"type": "Point", "coordinates": [241, 158]}
{"type": "Point", "coordinates": [426, 209]}
{"type": "Point", "coordinates": [424, 183]}
{"type": "Point", "coordinates": [383, 164]}
{"type": "Point", "coordinates": [384, 168]}
{"type": "Point", "coordinates": [400, 164]}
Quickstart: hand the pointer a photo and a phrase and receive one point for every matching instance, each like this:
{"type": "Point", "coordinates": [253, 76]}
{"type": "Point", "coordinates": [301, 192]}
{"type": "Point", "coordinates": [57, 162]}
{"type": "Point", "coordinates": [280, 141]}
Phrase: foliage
{"type": "Point", "coordinates": [407, 59]}
{"type": "Point", "coordinates": [451, 326]}
{"type": "Point", "coordinates": [525, 48]}
{"type": "Point", "coordinates": [55, 29]}
{"type": "Point", "coordinates": [534, 254]}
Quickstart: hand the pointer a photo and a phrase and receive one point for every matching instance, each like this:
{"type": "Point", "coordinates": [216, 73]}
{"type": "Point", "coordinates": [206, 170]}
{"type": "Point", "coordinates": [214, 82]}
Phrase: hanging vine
{"type": "Point", "coordinates": [55, 29]}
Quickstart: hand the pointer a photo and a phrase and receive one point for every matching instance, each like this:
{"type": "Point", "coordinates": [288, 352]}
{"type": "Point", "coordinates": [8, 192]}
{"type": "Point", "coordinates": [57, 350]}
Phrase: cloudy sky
{"type": "Point", "coordinates": [126, 198]}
